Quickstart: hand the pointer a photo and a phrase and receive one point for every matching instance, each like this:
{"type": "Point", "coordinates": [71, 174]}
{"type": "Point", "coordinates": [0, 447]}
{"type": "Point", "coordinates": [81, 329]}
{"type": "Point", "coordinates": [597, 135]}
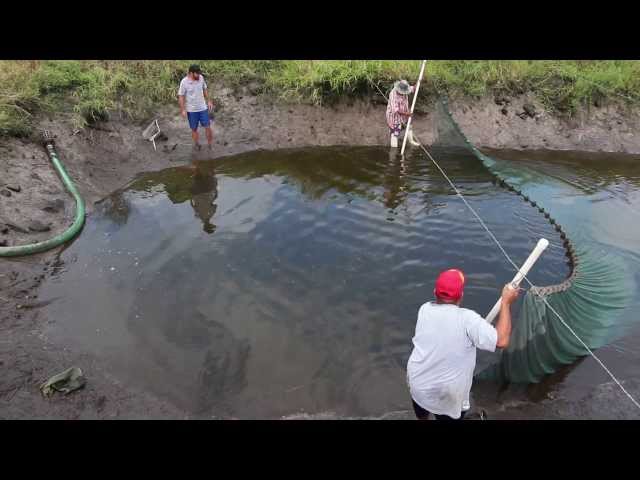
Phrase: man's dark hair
{"type": "Point", "coordinates": [195, 68]}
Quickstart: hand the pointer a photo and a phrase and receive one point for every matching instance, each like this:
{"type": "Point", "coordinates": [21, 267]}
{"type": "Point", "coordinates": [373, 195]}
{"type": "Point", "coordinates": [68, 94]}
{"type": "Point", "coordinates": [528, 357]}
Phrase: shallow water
{"type": "Point", "coordinates": [280, 284]}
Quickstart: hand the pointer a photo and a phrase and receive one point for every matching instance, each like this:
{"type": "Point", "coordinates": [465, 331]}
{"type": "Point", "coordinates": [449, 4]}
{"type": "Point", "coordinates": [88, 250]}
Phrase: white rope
{"type": "Point", "coordinates": [635, 402]}
{"type": "Point", "coordinates": [375, 85]}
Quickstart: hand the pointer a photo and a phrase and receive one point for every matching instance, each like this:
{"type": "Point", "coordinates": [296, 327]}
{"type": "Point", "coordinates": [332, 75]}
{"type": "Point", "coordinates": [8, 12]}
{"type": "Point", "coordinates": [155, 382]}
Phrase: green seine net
{"type": "Point", "coordinates": [589, 301]}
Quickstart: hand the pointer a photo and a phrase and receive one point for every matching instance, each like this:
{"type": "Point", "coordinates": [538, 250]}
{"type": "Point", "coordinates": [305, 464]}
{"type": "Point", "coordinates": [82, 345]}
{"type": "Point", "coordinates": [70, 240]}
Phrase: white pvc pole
{"type": "Point", "coordinates": [413, 104]}
{"type": "Point", "coordinates": [543, 243]}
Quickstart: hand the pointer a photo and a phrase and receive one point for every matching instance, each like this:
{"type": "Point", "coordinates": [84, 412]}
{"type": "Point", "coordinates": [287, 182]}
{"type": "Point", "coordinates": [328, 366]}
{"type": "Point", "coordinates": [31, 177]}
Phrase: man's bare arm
{"type": "Point", "coordinates": [205, 92]}
{"type": "Point", "coordinates": [503, 326]}
{"type": "Point", "coordinates": [181, 102]}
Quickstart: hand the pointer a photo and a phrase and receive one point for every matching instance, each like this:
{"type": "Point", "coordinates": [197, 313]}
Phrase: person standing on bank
{"type": "Point", "coordinates": [195, 104]}
{"type": "Point", "coordinates": [440, 368]}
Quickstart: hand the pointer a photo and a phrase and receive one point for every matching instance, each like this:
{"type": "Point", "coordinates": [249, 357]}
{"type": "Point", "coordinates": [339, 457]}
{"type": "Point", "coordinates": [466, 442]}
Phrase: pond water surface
{"type": "Point", "coordinates": [276, 284]}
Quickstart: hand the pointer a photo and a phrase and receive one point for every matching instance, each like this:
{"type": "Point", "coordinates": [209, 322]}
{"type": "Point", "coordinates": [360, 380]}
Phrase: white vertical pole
{"type": "Point", "coordinates": [413, 104]}
{"type": "Point", "coordinates": [543, 243]}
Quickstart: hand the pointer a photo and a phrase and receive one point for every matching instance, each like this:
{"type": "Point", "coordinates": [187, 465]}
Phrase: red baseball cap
{"type": "Point", "coordinates": [449, 285]}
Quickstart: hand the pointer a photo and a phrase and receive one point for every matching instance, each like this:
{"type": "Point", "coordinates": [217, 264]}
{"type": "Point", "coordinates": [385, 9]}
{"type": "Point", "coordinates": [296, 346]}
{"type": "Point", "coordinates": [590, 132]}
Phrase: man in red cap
{"type": "Point", "coordinates": [440, 368]}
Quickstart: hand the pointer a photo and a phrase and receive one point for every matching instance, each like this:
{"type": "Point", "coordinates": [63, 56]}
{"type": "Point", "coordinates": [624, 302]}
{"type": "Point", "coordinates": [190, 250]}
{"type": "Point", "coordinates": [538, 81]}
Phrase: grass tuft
{"type": "Point", "coordinates": [92, 90]}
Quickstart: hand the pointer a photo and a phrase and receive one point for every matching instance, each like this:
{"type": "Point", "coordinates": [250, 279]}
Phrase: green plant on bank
{"type": "Point", "coordinates": [93, 90]}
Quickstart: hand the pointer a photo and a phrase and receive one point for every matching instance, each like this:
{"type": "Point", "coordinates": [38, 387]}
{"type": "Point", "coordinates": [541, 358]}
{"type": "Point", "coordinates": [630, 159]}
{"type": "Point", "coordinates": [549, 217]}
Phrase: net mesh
{"type": "Point", "coordinates": [589, 300]}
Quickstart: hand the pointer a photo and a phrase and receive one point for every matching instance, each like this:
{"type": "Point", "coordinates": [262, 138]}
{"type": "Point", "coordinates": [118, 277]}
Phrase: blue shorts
{"type": "Point", "coordinates": [198, 117]}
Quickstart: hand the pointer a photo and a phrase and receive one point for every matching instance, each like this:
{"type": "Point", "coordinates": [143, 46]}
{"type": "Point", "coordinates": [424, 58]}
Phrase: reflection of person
{"type": "Point", "coordinates": [192, 95]}
{"type": "Point", "coordinates": [398, 109]}
{"type": "Point", "coordinates": [204, 192]}
{"type": "Point", "coordinates": [440, 368]}
{"type": "Point", "coordinates": [394, 183]}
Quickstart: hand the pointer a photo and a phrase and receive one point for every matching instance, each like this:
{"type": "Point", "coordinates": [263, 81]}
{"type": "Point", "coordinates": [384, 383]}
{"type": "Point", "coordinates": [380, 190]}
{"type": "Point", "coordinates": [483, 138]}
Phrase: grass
{"type": "Point", "coordinates": [94, 90]}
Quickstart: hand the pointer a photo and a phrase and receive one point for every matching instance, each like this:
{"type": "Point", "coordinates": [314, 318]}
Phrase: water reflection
{"type": "Point", "coordinates": [204, 192]}
{"type": "Point", "coordinates": [306, 296]}
{"type": "Point", "coordinates": [195, 183]}
{"type": "Point", "coordinates": [394, 181]}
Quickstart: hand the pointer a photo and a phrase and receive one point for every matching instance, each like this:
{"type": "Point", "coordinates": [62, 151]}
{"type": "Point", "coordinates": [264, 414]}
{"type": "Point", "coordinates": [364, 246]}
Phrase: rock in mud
{"type": "Point", "coordinates": [15, 227]}
{"type": "Point", "coordinates": [254, 88]}
{"type": "Point", "coordinates": [504, 111]}
{"type": "Point", "coordinates": [5, 193]}
{"type": "Point", "coordinates": [53, 206]}
{"type": "Point", "coordinates": [501, 100]}
{"type": "Point", "coordinates": [36, 226]}
{"type": "Point", "coordinates": [529, 109]}
{"type": "Point", "coordinates": [14, 188]}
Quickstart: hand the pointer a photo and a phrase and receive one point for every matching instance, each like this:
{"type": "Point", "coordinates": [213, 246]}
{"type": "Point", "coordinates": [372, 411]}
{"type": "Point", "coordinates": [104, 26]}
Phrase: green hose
{"type": "Point", "coordinates": [68, 234]}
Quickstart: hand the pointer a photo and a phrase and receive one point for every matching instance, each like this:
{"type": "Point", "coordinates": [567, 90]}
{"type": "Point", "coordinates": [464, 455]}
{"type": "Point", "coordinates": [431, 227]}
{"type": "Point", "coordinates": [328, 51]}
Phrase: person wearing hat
{"type": "Point", "coordinates": [195, 104]}
{"type": "Point", "coordinates": [398, 109]}
{"type": "Point", "coordinates": [440, 368]}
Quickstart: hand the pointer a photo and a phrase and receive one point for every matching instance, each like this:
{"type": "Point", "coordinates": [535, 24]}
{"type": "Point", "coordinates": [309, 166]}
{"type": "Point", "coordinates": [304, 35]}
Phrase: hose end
{"type": "Point", "coordinates": [47, 138]}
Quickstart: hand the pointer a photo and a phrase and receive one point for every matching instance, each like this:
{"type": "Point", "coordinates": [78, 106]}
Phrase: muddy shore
{"type": "Point", "coordinates": [107, 156]}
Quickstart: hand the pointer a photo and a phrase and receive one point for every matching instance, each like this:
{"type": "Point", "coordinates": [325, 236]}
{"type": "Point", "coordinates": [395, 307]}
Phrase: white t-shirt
{"type": "Point", "coordinates": [193, 91]}
{"type": "Point", "coordinates": [440, 368]}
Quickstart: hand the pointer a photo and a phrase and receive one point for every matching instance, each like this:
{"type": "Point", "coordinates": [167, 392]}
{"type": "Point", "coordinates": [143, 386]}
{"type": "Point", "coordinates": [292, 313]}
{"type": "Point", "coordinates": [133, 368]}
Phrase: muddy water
{"type": "Point", "coordinates": [286, 284]}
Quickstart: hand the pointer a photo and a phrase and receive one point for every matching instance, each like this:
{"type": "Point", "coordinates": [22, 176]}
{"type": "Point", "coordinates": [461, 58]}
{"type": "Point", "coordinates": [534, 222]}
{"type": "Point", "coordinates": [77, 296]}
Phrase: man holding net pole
{"type": "Point", "coordinates": [441, 365]}
{"type": "Point", "coordinates": [398, 112]}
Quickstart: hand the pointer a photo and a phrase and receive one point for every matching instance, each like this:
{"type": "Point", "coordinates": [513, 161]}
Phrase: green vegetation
{"type": "Point", "coordinates": [92, 90]}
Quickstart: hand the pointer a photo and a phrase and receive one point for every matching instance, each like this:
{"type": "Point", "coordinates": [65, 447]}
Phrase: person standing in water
{"type": "Point", "coordinates": [440, 368]}
{"type": "Point", "coordinates": [195, 105]}
{"type": "Point", "coordinates": [398, 109]}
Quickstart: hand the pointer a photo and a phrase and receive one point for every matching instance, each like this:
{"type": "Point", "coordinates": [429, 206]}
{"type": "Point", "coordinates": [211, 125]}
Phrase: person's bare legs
{"type": "Point", "coordinates": [196, 138]}
{"type": "Point", "coordinates": [209, 133]}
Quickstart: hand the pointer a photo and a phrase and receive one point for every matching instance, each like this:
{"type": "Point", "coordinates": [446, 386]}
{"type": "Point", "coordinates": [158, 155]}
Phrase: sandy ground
{"type": "Point", "coordinates": [34, 206]}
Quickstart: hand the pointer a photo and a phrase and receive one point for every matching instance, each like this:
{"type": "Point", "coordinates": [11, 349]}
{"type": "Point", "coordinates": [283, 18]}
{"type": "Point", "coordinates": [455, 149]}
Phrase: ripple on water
{"type": "Point", "coordinates": [274, 282]}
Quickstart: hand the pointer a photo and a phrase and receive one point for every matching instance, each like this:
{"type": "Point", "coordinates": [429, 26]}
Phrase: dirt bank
{"type": "Point", "coordinates": [34, 206]}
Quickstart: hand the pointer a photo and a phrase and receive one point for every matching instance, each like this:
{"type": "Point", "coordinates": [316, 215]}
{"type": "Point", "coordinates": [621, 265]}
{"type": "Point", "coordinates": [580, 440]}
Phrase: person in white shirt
{"type": "Point", "coordinates": [195, 104]}
{"type": "Point", "coordinates": [440, 368]}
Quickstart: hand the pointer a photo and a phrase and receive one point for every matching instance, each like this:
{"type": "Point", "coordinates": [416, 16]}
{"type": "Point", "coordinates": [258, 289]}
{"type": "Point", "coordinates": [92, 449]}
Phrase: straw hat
{"type": "Point", "coordinates": [402, 87]}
